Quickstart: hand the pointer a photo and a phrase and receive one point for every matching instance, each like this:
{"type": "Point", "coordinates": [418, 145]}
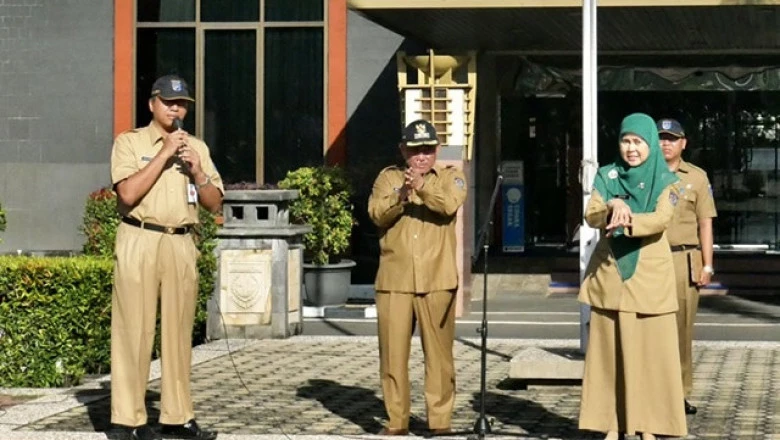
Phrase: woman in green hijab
{"type": "Point", "coordinates": [632, 378]}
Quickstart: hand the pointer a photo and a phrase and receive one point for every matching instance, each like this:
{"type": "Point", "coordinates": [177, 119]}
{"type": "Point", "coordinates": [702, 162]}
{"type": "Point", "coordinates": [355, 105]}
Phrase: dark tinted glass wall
{"type": "Point", "coordinates": [293, 100]}
{"type": "Point", "coordinates": [162, 52]}
{"type": "Point", "coordinates": [231, 102]}
{"type": "Point", "coordinates": [229, 10]}
{"type": "Point", "coordinates": [166, 10]}
{"type": "Point", "coordinates": [293, 10]}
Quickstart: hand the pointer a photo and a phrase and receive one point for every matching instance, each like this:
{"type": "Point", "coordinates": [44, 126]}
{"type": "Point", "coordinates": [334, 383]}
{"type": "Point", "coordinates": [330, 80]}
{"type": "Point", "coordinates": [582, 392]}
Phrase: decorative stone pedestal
{"type": "Point", "coordinates": [257, 293]}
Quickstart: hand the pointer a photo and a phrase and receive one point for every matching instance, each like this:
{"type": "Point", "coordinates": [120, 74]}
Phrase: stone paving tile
{"type": "Point", "coordinates": [330, 386]}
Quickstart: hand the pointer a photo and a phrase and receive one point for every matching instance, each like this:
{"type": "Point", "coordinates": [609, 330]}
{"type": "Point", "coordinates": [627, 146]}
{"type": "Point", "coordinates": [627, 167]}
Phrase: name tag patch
{"type": "Point", "coordinates": [192, 193]}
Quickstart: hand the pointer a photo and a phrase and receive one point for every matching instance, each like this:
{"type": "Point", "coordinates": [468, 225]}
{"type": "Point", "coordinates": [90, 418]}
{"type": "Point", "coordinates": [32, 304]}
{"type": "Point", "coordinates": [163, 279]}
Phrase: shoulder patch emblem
{"type": "Point", "coordinates": [612, 174]}
{"type": "Point", "coordinates": [673, 198]}
{"type": "Point", "coordinates": [460, 183]}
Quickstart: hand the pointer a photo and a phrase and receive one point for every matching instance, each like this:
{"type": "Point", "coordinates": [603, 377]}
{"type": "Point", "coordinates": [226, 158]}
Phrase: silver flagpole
{"type": "Point", "coordinates": [588, 236]}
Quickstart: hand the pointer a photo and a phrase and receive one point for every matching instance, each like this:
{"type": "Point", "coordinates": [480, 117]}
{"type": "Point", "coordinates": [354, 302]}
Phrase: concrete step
{"type": "Point", "coordinates": [545, 364]}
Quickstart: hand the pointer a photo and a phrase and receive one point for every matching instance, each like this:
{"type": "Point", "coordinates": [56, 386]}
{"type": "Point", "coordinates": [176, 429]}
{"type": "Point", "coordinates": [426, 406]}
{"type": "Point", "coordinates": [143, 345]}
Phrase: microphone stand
{"type": "Point", "coordinates": [482, 425]}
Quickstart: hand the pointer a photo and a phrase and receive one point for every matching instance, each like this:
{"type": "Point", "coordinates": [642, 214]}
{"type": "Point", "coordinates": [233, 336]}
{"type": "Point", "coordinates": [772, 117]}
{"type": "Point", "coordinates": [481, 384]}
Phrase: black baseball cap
{"type": "Point", "coordinates": [418, 133]}
{"type": "Point", "coordinates": [670, 126]}
{"type": "Point", "coordinates": [171, 87]}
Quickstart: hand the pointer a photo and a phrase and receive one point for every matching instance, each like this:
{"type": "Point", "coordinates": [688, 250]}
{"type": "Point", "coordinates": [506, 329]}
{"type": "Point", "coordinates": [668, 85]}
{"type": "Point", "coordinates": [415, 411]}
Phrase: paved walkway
{"type": "Point", "coordinates": [328, 387]}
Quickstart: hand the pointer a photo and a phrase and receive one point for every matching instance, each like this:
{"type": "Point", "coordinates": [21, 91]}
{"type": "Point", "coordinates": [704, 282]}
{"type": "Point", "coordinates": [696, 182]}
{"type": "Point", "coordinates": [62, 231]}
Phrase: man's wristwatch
{"type": "Point", "coordinates": [708, 269]}
{"type": "Point", "coordinates": [201, 185]}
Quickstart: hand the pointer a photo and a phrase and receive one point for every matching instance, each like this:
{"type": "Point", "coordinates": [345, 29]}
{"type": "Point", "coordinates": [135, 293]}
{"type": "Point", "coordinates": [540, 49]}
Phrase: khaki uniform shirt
{"type": "Point", "coordinates": [417, 237]}
{"type": "Point", "coordinates": [696, 202]}
{"type": "Point", "coordinates": [166, 203]}
{"type": "Point", "coordinates": [652, 289]}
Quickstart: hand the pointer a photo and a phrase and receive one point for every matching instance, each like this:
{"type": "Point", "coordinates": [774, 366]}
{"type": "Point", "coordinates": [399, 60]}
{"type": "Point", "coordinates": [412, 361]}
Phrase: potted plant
{"type": "Point", "coordinates": [324, 205]}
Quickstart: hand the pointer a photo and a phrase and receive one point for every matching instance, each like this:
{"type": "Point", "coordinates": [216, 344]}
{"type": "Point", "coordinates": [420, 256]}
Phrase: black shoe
{"type": "Point", "coordinates": [122, 432]}
{"type": "Point", "coordinates": [189, 430]}
{"type": "Point", "coordinates": [393, 431]}
{"type": "Point", "coordinates": [690, 409]}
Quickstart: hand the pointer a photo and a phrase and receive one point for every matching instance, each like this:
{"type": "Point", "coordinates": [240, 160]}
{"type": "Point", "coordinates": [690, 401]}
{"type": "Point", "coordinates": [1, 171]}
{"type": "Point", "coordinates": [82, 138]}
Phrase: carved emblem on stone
{"type": "Point", "coordinates": [244, 289]}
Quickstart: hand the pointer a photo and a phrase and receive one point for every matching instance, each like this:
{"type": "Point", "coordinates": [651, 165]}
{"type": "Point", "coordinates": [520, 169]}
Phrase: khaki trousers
{"type": "Point", "coordinates": [435, 313]}
{"type": "Point", "coordinates": [688, 298]}
{"type": "Point", "coordinates": [632, 375]}
{"type": "Point", "coordinates": [152, 266]}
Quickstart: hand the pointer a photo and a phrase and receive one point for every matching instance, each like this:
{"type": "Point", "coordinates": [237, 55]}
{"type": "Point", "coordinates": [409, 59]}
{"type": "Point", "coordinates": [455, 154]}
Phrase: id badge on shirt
{"type": "Point", "coordinates": [192, 193]}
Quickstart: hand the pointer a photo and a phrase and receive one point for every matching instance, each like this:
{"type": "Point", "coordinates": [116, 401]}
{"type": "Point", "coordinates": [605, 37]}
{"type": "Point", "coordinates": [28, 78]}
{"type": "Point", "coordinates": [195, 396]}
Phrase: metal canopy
{"type": "Point", "coordinates": [673, 30]}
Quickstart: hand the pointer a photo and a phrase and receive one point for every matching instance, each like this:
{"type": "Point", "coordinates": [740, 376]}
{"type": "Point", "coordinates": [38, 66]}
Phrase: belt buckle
{"type": "Point", "coordinates": [170, 230]}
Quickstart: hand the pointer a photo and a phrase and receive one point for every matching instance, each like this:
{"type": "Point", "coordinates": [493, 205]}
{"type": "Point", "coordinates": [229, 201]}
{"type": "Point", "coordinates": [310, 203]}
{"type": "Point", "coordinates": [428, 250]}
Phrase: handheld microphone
{"type": "Point", "coordinates": [177, 124]}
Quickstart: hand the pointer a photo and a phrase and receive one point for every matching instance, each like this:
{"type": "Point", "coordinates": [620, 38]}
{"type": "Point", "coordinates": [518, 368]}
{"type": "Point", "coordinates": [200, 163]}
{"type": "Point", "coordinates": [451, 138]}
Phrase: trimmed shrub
{"type": "Point", "coordinates": [55, 320]}
{"type": "Point", "coordinates": [100, 222]}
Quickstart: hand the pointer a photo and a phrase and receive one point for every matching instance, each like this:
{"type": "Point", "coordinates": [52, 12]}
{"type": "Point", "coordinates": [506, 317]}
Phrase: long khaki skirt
{"type": "Point", "coordinates": [632, 380]}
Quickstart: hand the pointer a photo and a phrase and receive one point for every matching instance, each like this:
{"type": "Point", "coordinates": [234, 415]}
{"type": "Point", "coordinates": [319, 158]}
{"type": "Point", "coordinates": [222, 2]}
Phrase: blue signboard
{"type": "Point", "coordinates": [513, 207]}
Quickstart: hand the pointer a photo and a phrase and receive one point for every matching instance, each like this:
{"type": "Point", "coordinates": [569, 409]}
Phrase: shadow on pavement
{"type": "Point", "coordinates": [98, 405]}
{"type": "Point", "coordinates": [478, 346]}
{"type": "Point", "coordinates": [338, 328]}
{"type": "Point", "coordinates": [532, 417]}
{"type": "Point", "coordinates": [763, 309]}
{"type": "Point", "coordinates": [358, 405]}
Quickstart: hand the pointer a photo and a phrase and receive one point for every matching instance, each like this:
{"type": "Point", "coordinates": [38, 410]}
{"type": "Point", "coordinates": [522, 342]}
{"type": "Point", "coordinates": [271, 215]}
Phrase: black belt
{"type": "Point", "coordinates": [157, 228]}
{"type": "Point", "coordinates": [684, 247]}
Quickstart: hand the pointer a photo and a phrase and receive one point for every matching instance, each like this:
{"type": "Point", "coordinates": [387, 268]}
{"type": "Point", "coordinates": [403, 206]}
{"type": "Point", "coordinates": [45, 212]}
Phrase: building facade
{"type": "Point", "coordinates": [285, 83]}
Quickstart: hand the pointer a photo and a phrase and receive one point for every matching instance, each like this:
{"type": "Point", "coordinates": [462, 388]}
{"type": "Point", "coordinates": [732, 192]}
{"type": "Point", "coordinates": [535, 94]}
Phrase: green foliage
{"type": "Point", "coordinates": [205, 239]}
{"type": "Point", "coordinates": [2, 221]}
{"type": "Point", "coordinates": [55, 320]}
{"type": "Point", "coordinates": [323, 204]}
{"type": "Point", "coordinates": [101, 220]}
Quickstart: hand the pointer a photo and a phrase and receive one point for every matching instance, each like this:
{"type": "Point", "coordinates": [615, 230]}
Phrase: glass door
{"type": "Point", "coordinates": [538, 131]}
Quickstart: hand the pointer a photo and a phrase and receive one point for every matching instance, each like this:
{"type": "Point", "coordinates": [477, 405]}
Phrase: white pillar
{"type": "Point", "coordinates": [588, 236]}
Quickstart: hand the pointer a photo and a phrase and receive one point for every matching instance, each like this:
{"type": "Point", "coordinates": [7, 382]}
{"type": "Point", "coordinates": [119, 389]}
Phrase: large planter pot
{"type": "Point", "coordinates": [327, 285]}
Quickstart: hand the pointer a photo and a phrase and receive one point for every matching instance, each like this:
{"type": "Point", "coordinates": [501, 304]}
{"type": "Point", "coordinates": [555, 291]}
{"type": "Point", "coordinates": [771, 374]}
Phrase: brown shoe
{"type": "Point", "coordinates": [394, 431]}
{"type": "Point", "coordinates": [441, 431]}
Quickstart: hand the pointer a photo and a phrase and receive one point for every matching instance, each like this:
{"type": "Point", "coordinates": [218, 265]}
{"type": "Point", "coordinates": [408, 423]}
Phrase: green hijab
{"type": "Point", "coordinates": [638, 186]}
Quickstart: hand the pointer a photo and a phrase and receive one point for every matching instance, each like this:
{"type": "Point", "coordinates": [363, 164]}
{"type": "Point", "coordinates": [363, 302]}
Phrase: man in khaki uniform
{"type": "Point", "coordinates": [415, 209]}
{"type": "Point", "coordinates": [690, 238]}
{"type": "Point", "coordinates": [160, 174]}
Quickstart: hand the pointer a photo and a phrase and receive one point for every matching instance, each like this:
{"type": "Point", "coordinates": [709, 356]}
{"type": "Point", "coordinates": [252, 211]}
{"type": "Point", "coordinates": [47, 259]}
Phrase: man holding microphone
{"type": "Point", "coordinates": [160, 174]}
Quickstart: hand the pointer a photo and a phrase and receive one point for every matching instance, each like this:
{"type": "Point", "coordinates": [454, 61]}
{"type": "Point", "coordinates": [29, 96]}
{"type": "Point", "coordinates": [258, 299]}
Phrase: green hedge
{"type": "Point", "coordinates": [55, 313]}
{"type": "Point", "coordinates": [55, 319]}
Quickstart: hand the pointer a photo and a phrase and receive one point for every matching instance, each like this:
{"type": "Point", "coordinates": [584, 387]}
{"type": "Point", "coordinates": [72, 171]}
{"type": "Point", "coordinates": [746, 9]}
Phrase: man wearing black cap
{"type": "Point", "coordinates": [160, 174]}
{"type": "Point", "coordinates": [415, 209]}
{"type": "Point", "coordinates": [690, 237]}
